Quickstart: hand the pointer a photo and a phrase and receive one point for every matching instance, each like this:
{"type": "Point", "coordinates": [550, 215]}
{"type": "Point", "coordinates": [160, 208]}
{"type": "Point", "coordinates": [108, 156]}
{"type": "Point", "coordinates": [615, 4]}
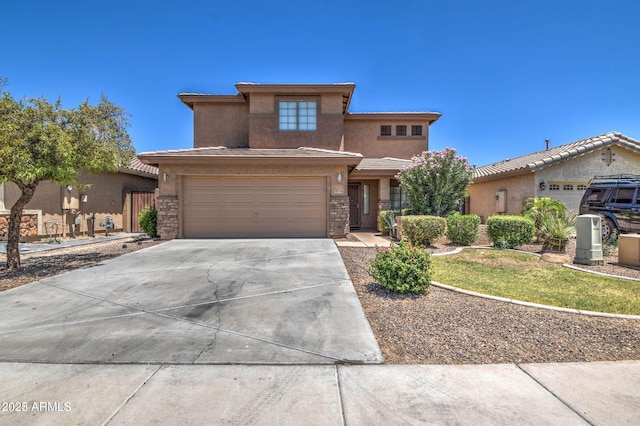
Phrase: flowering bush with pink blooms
{"type": "Point", "coordinates": [435, 182]}
{"type": "Point", "coordinates": [402, 268]}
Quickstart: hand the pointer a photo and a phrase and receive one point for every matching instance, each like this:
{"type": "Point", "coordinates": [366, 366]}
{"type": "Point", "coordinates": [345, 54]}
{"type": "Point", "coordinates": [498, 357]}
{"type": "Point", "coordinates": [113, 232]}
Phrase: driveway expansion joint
{"type": "Point", "coordinates": [557, 397]}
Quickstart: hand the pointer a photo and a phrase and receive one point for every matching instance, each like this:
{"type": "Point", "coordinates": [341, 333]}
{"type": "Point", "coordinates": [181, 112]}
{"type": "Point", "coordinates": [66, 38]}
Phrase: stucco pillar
{"type": "Point", "coordinates": [384, 197]}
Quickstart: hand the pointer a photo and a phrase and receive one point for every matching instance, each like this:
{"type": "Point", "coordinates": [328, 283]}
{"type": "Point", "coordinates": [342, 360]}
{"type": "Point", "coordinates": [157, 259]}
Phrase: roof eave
{"type": "Point", "coordinates": [157, 160]}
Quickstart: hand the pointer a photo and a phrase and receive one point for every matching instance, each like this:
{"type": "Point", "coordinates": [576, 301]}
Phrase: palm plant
{"type": "Point", "coordinates": [556, 229]}
{"type": "Point", "coordinates": [538, 208]}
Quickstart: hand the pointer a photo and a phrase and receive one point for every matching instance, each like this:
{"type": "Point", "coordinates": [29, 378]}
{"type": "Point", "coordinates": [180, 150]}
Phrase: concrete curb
{"type": "Point", "coordinates": [530, 304]}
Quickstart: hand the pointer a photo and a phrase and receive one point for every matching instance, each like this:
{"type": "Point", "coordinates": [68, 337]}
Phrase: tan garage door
{"type": "Point", "coordinates": [241, 207]}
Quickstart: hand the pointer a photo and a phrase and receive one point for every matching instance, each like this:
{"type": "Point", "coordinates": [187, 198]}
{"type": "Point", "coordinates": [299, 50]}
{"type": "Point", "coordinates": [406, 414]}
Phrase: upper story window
{"type": "Point", "coordinates": [401, 130]}
{"type": "Point", "coordinates": [416, 130]}
{"type": "Point", "coordinates": [385, 130]}
{"type": "Point", "coordinates": [297, 115]}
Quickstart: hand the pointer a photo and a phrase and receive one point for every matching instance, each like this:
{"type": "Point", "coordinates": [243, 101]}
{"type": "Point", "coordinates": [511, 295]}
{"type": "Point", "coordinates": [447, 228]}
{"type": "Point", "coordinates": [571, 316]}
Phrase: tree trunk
{"type": "Point", "coordinates": [15, 217]}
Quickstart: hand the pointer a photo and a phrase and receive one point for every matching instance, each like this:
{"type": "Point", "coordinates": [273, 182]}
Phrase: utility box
{"type": "Point", "coordinates": [589, 240]}
{"type": "Point", "coordinates": [629, 249]}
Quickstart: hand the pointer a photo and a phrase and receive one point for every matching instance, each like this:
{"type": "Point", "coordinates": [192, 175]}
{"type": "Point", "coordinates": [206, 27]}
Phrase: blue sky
{"type": "Point", "coordinates": [504, 74]}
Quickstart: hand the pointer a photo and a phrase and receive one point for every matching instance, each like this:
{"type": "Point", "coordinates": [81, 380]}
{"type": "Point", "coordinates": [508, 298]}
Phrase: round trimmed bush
{"type": "Point", "coordinates": [402, 268]}
{"type": "Point", "coordinates": [463, 229]}
{"type": "Point", "coordinates": [423, 230]}
{"type": "Point", "coordinates": [510, 231]}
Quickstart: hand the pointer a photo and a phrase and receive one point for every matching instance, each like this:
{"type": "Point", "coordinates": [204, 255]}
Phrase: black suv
{"type": "Point", "coordinates": [616, 198]}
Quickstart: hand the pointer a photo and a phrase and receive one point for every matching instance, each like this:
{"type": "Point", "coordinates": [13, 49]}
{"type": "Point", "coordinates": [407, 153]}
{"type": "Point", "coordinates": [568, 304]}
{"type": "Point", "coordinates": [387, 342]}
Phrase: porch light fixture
{"type": "Point", "coordinates": [542, 185]}
{"type": "Point", "coordinates": [339, 178]}
{"type": "Point", "coordinates": [165, 176]}
{"type": "Point", "coordinates": [69, 187]}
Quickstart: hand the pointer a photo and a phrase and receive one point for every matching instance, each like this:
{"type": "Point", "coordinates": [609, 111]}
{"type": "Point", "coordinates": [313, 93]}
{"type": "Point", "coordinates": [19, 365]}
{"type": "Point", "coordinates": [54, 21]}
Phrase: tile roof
{"type": "Point", "coordinates": [222, 151]}
{"type": "Point", "coordinates": [539, 160]}
{"type": "Point", "coordinates": [137, 167]}
{"type": "Point", "coordinates": [386, 163]}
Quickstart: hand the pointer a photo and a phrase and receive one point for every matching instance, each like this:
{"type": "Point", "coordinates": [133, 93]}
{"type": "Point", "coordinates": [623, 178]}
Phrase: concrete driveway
{"type": "Point", "coordinates": [285, 301]}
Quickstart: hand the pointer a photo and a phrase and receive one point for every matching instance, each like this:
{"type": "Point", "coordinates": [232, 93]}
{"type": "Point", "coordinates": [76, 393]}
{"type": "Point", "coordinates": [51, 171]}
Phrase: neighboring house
{"type": "Point", "coordinates": [65, 210]}
{"type": "Point", "coordinates": [284, 161]}
{"type": "Point", "coordinates": [561, 173]}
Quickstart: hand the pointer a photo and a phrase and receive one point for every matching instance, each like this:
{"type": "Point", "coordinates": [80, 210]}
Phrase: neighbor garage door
{"type": "Point", "coordinates": [241, 207]}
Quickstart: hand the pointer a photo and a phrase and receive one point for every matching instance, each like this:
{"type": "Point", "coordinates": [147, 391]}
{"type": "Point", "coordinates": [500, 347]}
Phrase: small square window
{"type": "Point", "coordinates": [582, 187]}
{"type": "Point", "coordinates": [567, 187]}
{"type": "Point", "coordinates": [385, 130]}
{"type": "Point", "coordinates": [416, 130]}
{"type": "Point", "coordinates": [297, 115]}
{"type": "Point", "coordinates": [554, 187]}
{"type": "Point", "coordinates": [401, 130]}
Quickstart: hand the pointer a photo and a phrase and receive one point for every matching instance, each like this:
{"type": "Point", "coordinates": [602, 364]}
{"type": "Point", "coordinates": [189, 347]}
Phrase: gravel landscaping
{"type": "Point", "coordinates": [41, 265]}
{"type": "Point", "coordinates": [446, 327]}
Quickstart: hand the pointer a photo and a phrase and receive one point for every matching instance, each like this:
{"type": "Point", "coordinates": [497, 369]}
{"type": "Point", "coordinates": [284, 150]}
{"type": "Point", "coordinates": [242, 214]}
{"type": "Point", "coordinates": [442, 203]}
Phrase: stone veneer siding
{"type": "Point", "coordinates": [167, 217]}
{"type": "Point", "coordinates": [338, 216]}
{"type": "Point", "coordinates": [28, 225]}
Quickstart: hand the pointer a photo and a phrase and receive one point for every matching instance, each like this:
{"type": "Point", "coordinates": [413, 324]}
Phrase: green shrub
{"type": "Point", "coordinates": [537, 209]}
{"type": "Point", "coordinates": [556, 229]}
{"type": "Point", "coordinates": [463, 229]}
{"type": "Point", "coordinates": [402, 268]}
{"type": "Point", "coordinates": [510, 231]}
{"type": "Point", "coordinates": [435, 182]}
{"type": "Point", "coordinates": [423, 230]}
{"type": "Point", "coordinates": [387, 219]}
{"type": "Point", "coordinates": [148, 221]}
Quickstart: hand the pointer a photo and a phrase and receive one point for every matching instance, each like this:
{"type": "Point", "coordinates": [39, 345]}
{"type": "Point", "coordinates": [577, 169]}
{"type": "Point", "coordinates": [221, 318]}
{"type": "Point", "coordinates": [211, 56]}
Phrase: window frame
{"type": "Point", "coordinates": [416, 130]}
{"type": "Point", "coordinates": [385, 129]}
{"type": "Point", "coordinates": [301, 105]}
{"type": "Point", "coordinates": [401, 130]}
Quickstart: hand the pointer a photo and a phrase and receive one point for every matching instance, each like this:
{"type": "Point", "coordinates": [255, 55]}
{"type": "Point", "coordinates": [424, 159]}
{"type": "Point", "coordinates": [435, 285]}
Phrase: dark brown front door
{"type": "Point", "coordinates": [354, 205]}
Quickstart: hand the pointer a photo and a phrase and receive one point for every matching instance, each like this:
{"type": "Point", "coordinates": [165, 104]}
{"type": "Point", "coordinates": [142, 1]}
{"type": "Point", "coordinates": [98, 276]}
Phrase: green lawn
{"type": "Point", "coordinates": [525, 277]}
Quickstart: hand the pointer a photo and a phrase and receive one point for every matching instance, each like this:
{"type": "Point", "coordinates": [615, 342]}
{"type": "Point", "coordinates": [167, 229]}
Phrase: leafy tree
{"type": "Point", "coordinates": [40, 140]}
{"type": "Point", "coordinates": [435, 182]}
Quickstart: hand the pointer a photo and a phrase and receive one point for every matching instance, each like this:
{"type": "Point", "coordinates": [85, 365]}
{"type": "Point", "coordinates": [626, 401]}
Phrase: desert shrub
{"type": "Point", "coordinates": [402, 268]}
{"type": "Point", "coordinates": [435, 182]}
{"type": "Point", "coordinates": [538, 208]}
{"type": "Point", "coordinates": [387, 219]}
{"type": "Point", "coordinates": [423, 230]}
{"type": "Point", "coordinates": [556, 229]}
{"type": "Point", "coordinates": [510, 231]}
{"type": "Point", "coordinates": [463, 229]}
{"type": "Point", "coordinates": [148, 221]}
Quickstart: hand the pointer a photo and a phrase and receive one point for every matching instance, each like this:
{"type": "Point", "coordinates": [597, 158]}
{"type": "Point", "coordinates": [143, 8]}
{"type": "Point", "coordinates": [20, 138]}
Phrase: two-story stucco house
{"type": "Point", "coordinates": [285, 160]}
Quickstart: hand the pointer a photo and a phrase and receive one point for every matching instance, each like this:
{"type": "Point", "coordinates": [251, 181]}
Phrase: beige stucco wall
{"type": "Point", "coordinates": [582, 169]}
{"type": "Point", "coordinates": [363, 136]}
{"type": "Point", "coordinates": [105, 196]}
{"type": "Point", "coordinates": [482, 195]}
{"type": "Point", "coordinates": [221, 124]}
{"type": "Point", "coordinates": [264, 130]}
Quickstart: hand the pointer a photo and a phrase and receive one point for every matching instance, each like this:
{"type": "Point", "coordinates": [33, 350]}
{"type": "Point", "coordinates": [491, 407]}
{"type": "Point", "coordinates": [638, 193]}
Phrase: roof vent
{"type": "Point", "coordinates": [546, 141]}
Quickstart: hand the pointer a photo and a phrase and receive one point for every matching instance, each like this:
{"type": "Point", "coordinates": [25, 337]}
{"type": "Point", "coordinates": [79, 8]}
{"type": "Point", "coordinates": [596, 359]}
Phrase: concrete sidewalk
{"type": "Point", "coordinates": [601, 393]}
{"type": "Point", "coordinates": [364, 239]}
{"type": "Point", "coordinates": [38, 247]}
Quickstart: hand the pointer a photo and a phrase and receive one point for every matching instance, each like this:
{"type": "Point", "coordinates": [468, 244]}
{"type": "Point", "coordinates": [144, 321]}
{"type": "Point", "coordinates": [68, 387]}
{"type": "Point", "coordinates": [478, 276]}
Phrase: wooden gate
{"type": "Point", "coordinates": [139, 200]}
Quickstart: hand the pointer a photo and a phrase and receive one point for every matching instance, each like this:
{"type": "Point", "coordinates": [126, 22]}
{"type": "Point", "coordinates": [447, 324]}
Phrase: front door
{"type": "Point", "coordinates": [354, 205]}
